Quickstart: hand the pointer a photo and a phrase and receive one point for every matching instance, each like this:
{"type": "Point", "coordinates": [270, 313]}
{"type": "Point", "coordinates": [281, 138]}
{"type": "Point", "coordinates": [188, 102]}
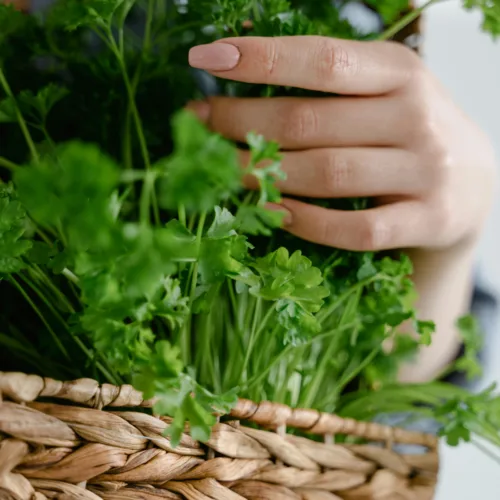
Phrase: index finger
{"type": "Point", "coordinates": [309, 62]}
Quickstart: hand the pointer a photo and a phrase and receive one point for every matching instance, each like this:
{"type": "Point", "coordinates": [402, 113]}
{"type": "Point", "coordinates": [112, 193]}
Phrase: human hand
{"type": "Point", "coordinates": [394, 135]}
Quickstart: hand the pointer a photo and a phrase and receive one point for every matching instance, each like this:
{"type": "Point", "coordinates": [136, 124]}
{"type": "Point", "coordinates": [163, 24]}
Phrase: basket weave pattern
{"type": "Point", "coordinates": [102, 443]}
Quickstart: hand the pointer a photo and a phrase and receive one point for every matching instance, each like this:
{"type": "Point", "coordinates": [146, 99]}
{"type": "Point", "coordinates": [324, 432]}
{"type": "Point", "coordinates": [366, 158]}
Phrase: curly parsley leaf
{"type": "Point", "coordinates": [177, 394]}
{"type": "Point", "coordinates": [204, 169]}
{"type": "Point", "coordinates": [491, 14]}
{"type": "Point", "coordinates": [72, 193]}
{"type": "Point", "coordinates": [296, 287]}
{"type": "Point", "coordinates": [8, 111]}
{"type": "Point", "coordinates": [473, 340]}
{"type": "Point", "coordinates": [256, 220]}
{"type": "Point", "coordinates": [224, 252]}
{"type": "Point", "coordinates": [39, 105]}
{"type": "Point", "coordinates": [262, 150]}
{"type": "Point", "coordinates": [12, 228]}
{"type": "Point", "coordinates": [92, 14]}
{"type": "Point", "coordinates": [425, 329]}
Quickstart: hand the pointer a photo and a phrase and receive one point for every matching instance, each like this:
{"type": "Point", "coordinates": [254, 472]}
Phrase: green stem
{"type": "Point", "coordinates": [127, 142]}
{"type": "Point", "coordinates": [180, 29]}
{"type": "Point", "coordinates": [44, 237]}
{"type": "Point", "coordinates": [393, 30]}
{"type": "Point", "coordinates": [256, 333]}
{"type": "Point", "coordinates": [24, 128]}
{"type": "Point", "coordinates": [71, 276]}
{"type": "Point", "coordinates": [182, 215]}
{"type": "Point", "coordinates": [8, 164]}
{"type": "Point", "coordinates": [256, 10]}
{"type": "Point", "coordinates": [313, 388]}
{"type": "Point", "coordinates": [113, 378]}
{"type": "Point", "coordinates": [147, 191]}
{"type": "Point", "coordinates": [347, 378]}
{"type": "Point", "coordinates": [324, 313]}
{"type": "Point", "coordinates": [48, 282]}
{"type": "Point", "coordinates": [136, 116]}
{"type": "Point", "coordinates": [193, 275]}
{"type": "Point", "coordinates": [56, 339]}
{"type": "Point", "coordinates": [147, 28]}
{"type": "Point", "coordinates": [486, 451]}
{"type": "Point", "coordinates": [46, 134]}
{"type": "Point", "coordinates": [285, 352]}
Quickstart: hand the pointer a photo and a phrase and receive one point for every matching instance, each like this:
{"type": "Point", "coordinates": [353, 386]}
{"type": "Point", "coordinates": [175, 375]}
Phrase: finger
{"type": "Point", "coordinates": [398, 225]}
{"type": "Point", "coordinates": [349, 172]}
{"type": "Point", "coordinates": [303, 123]}
{"type": "Point", "coordinates": [309, 62]}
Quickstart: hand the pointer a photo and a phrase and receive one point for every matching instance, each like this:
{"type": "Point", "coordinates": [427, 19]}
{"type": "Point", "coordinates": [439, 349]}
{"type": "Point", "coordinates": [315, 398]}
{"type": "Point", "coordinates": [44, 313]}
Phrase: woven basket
{"type": "Point", "coordinates": [104, 444]}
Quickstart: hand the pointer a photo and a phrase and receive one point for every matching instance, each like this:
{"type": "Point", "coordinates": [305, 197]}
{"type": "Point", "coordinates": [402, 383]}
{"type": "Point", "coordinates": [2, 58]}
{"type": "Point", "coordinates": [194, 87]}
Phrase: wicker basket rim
{"type": "Point", "coordinates": [23, 388]}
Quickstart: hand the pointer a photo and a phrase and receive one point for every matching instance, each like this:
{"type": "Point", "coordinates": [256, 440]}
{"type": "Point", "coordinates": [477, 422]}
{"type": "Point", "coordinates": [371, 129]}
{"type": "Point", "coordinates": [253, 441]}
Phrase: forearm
{"type": "Point", "coordinates": [444, 281]}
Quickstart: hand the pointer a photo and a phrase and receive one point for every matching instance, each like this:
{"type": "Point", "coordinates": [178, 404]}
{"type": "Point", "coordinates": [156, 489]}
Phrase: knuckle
{"type": "Point", "coordinates": [444, 211]}
{"type": "Point", "coordinates": [415, 69]}
{"type": "Point", "coordinates": [439, 166]}
{"type": "Point", "coordinates": [328, 232]}
{"type": "Point", "coordinates": [423, 127]}
{"type": "Point", "coordinates": [332, 58]}
{"type": "Point", "coordinates": [336, 172]}
{"type": "Point", "coordinates": [266, 54]}
{"type": "Point", "coordinates": [300, 123]}
{"type": "Point", "coordinates": [271, 56]}
{"type": "Point", "coordinates": [374, 234]}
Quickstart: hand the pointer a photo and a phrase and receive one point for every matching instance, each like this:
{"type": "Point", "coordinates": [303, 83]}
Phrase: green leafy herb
{"type": "Point", "coordinates": [130, 246]}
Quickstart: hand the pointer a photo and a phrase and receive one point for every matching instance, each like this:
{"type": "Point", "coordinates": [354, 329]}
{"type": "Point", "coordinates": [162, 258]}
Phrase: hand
{"type": "Point", "coordinates": [394, 135]}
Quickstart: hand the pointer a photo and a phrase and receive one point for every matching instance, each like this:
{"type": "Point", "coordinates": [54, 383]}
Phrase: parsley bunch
{"type": "Point", "coordinates": [130, 251]}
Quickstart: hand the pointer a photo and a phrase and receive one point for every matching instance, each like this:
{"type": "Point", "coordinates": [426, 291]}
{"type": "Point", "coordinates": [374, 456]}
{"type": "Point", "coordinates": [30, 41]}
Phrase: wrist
{"type": "Point", "coordinates": [444, 281]}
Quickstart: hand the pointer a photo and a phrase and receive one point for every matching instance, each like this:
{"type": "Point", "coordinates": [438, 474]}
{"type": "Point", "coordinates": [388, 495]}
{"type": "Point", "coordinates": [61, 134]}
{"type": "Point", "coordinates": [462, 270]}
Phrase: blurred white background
{"type": "Point", "coordinates": [468, 62]}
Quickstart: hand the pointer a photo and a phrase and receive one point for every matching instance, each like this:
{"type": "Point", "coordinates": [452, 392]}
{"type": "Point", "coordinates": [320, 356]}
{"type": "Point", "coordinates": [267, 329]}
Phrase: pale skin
{"type": "Point", "coordinates": [393, 134]}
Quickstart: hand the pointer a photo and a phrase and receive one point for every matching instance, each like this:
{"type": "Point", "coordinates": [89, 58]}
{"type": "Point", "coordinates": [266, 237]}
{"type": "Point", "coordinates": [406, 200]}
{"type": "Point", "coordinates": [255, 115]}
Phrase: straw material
{"type": "Point", "coordinates": [80, 440]}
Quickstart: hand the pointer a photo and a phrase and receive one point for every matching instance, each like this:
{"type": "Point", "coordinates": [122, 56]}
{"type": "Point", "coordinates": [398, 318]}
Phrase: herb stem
{"type": "Point", "coordinates": [39, 313]}
{"type": "Point", "coordinates": [256, 10]}
{"type": "Point", "coordinates": [44, 237]}
{"type": "Point", "coordinates": [180, 28]}
{"type": "Point", "coordinates": [145, 202]}
{"type": "Point", "coordinates": [262, 375]}
{"type": "Point", "coordinates": [111, 377]}
{"type": "Point", "coordinates": [405, 21]}
{"type": "Point", "coordinates": [182, 215]}
{"type": "Point", "coordinates": [147, 28]}
{"type": "Point", "coordinates": [348, 377]}
{"type": "Point", "coordinates": [193, 275]}
{"type": "Point", "coordinates": [48, 282]}
{"type": "Point", "coordinates": [256, 332]}
{"type": "Point", "coordinates": [136, 116]}
{"type": "Point", "coordinates": [22, 123]}
{"type": "Point", "coordinates": [486, 451]}
{"type": "Point", "coordinates": [8, 164]}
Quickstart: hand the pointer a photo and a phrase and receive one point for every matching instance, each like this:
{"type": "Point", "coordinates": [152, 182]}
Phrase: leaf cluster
{"type": "Point", "coordinates": [129, 244]}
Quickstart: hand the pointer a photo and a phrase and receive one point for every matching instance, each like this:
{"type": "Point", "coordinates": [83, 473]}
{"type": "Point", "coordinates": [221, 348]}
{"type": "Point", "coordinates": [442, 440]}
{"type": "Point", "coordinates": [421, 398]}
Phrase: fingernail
{"type": "Point", "coordinates": [214, 56]}
{"type": "Point", "coordinates": [201, 109]}
{"type": "Point", "coordinates": [287, 215]}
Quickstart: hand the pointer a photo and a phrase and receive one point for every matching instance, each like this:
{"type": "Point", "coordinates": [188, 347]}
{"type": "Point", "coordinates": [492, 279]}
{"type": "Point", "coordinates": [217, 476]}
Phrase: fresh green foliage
{"type": "Point", "coordinates": [203, 170]}
{"type": "Point", "coordinates": [473, 344]}
{"type": "Point", "coordinates": [389, 10]}
{"type": "Point", "coordinates": [130, 250]}
{"type": "Point", "coordinates": [12, 228]}
{"type": "Point", "coordinates": [491, 14]}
